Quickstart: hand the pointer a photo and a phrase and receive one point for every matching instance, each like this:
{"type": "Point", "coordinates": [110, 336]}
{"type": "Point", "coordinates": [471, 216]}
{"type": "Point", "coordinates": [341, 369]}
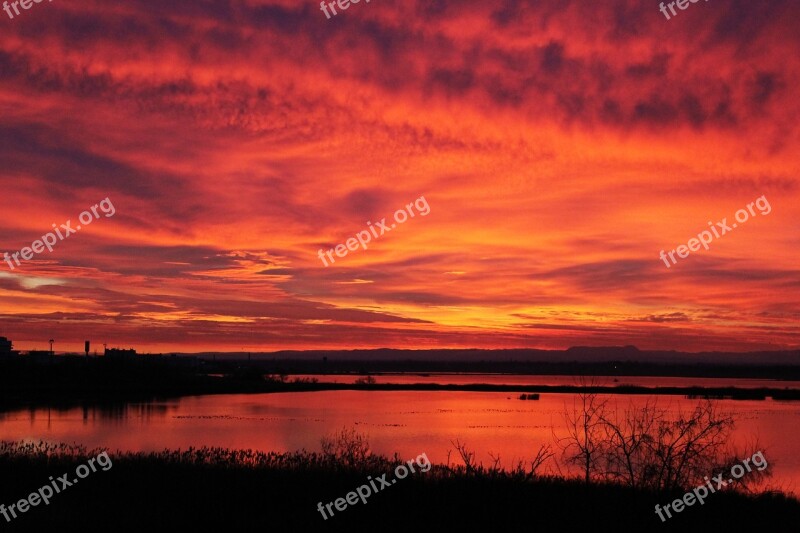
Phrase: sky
{"type": "Point", "coordinates": [555, 147]}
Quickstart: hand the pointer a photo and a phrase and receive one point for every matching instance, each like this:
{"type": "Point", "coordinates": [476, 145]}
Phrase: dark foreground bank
{"type": "Point", "coordinates": [226, 490]}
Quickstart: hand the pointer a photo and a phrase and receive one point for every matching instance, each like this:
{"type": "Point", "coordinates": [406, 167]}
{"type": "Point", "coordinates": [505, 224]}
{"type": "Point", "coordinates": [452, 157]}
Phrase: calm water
{"type": "Point", "coordinates": [445, 378]}
{"type": "Point", "coordinates": [407, 422]}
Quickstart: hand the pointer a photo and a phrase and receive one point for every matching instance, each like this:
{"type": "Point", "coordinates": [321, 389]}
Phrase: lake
{"type": "Point", "coordinates": [406, 422]}
{"type": "Point", "coordinates": [459, 378]}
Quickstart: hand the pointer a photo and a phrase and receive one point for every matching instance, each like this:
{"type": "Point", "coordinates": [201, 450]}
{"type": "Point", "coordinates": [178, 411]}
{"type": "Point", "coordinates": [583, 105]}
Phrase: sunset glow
{"type": "Point", "coordinates": [561, 148]}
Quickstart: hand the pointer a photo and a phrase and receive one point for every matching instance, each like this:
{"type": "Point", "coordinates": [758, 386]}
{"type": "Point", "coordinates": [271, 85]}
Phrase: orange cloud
{"type": "Point", "coordinates": [561, 147]}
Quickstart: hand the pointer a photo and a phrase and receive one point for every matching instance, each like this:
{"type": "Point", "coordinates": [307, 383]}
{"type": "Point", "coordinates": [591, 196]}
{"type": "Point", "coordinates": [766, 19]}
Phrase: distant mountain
{"type": "Point", "coordinates": [581, 354]}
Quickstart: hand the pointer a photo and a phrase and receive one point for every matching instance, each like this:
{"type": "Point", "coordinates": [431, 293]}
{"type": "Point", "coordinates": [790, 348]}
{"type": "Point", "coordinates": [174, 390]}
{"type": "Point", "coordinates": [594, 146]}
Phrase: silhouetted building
{"type": "Point", "coordinates": [118, 353]}
{"type": "Point", "coordinates": [5, 347]}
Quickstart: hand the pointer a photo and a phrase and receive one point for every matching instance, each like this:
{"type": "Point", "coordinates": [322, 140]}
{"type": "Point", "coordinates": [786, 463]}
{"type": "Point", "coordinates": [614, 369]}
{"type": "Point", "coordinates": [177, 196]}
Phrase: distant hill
{"type": "Point", "coordinates": [580, 354]}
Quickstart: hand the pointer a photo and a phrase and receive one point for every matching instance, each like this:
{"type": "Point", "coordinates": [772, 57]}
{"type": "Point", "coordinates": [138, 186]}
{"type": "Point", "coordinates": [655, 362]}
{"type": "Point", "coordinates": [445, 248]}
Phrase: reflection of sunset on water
{"type": "Point", "coordinates": [394, 422]}
{"type": "Point", "coordinates": [550, 246]}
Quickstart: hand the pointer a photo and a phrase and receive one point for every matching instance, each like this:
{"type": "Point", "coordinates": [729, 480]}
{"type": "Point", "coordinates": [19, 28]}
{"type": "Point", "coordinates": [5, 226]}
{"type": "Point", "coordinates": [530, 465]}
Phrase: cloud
{"type": "Point", "coordinates": [561, 146]}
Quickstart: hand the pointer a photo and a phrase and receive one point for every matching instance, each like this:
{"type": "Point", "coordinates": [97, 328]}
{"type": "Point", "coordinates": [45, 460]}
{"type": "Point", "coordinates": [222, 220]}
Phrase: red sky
{"type": "Point", "coordinates": [560, 145]}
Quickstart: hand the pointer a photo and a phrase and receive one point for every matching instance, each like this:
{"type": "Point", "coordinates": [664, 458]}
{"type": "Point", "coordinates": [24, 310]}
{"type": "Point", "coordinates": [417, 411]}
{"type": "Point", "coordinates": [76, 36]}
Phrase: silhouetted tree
{"type": "Point", "coordinates": [643, 447]}
{"type": "Point", "coordinates": [584, 444]}
{"type": "Point", "coordinates": [366, 380]}
{"type": "Point", "coordinates": [347, 447]}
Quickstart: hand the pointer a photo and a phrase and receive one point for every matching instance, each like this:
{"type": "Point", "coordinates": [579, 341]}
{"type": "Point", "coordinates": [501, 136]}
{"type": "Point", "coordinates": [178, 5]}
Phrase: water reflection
{"type": "Point", "coordinates": [395, 421]}
{"type": "Point", "coordinates": [121, 412]}
{"type": "Point", "coordinates": [90, 413]}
